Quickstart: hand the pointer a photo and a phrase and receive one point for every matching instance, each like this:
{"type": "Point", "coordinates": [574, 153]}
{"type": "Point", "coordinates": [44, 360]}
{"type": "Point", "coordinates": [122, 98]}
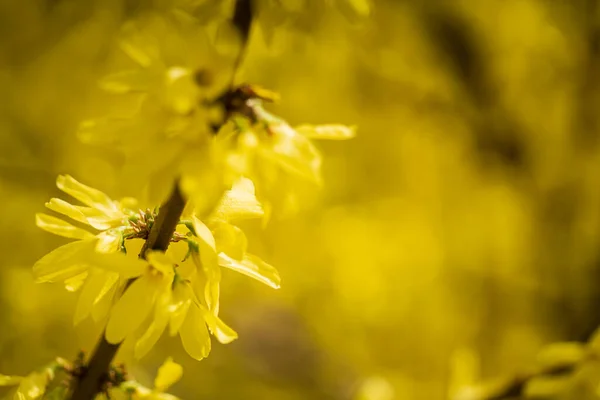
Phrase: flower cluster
{"type": "Point", "coordinates": [182, 128]}
{"type": "Point", "coordinates": [178, 289]}
{"type": "Point", "coordinates": [184, 124]}
{"type": "Point", "coordinates": [53, 382]}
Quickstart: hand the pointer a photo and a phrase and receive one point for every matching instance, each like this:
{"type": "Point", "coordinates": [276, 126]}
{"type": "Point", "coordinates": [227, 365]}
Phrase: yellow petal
{"type": "Point", "coordinates": [289, 150]}
{"type": "Point", "coordinates": [86, 215]}
{"type": "Point", "coordinates": [179, 307]}
{"type": "Point", "coordinates": [168, 373]}
{"type": "Point", "coordinates": [212, 275]}
{"type": "Point", "coordinates": [97, 285]}
{"type": "Point", "coordinates": [160, 261]}
{"type": "Point", "coordinates": [136, 54]}
{"type": "Point", "coordinates": [62, 207]}
{"type": "Point", "coordinates": [218, 328]}
{"type": "Point", "coordinates": [158, 324]}
{"type": "Point", "coordinates": [194, 335]}
{"type": "Point", "coordinates": [253, 267]}
{"type": "Point", "coordinates": [329, 131]}
{"type": "Point", "coordinates": [6, 380]}
{"type": "Point", "coordinates": [86, 299]}
{"type": "Point", "coordinates": [150, 337]}
{"type": "Point", "coordinates": [33, 386]}
{"type": "Point", "coordinates": [59, 227]}
{"type": "Point", "coordinates": [104, 303]}
{"type": "Point", "coordinates": [131, 309]}
{"type": "Point", "coordinates": [230, 240]}
{"type": "Point", "coordinates": [64, 262]}
{"type": "Point", "coordinates": [203, 182]}
{"type": "Point", "coordinates": [74, 283]}
{"type": "Point", "coordinates": [126, 265]}
{"type": "Point", "coordinates": [203, 233]}
{"type": "Point", "coordinates": [207, 261]}
{"type": "Point", "coordinates": [125, 82]}
{"type": "Point", "coordinates": [109, 241]}
{"type": "Point", "coordinates": [238, 203]}
{"type": "Point", "coordinates": [89, 196]}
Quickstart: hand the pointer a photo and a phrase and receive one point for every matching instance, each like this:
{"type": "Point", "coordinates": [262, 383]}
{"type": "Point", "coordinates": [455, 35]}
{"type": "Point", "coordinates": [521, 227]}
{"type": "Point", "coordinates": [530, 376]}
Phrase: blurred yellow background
{"type": "Point", "coordinates": [462, 221]}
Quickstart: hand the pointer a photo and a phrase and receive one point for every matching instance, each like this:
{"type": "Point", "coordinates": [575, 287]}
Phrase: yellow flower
{"type": "Point", "coordinates": [219, 243]}
{"type": "Point", "coordinates": [168, 135]}
{"type": "Point", "coordinates": [135, 305]}
{"type": "Point", "coordinates": [163, 293]}
{"type": "Point", "coordinates": [94, 262]}
{"type": "Point", "coordinates": [168, 374]}
{"type": "Point", "coordinates": [280, 159]}
{"type": "Point", "coordinates": [30, 387]}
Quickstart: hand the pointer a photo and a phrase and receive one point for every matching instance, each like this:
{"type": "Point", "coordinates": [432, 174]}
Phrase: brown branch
{"type": "Point", "coordinates": [94, 376]}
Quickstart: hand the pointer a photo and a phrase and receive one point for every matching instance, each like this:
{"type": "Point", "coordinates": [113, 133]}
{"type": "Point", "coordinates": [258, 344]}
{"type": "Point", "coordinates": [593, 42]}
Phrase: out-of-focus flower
{"type": "Point", "coordinates": [168, 374]}
{"type": "Point", "coordinates": [168, 135]}
{"type": "Point", "coordinates": [32, 386]}
{"type": "Point", "coordinates": [277, 157]}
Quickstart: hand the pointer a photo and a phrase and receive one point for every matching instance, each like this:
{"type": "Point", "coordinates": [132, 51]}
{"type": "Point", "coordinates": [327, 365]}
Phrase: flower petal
{"type": "Point", "coordinates": [104, 302]}
{"type": "Point", "coordinates": [218, 328]}
{"type": "Point", "coordinates": [131, 309]}
{"type": "Point", "coordinates": [74, 283]}
{"type": "Point", "coordinates": [168, 374]}
{"type": "Point", "coordinates": [230, 240]}
{"type": "Point", "coordinates": [202, 231]}
{"type": "Point", "coordinates": [253, 267]}
{"type": "Point", "coordinates": [207, 261]}
{"type": "Point", "coordinates": [59, 227]}
{"type": "Point", "coordinates": [327, 131]}
{"type": "Point", "coordinates": [62, 207]}
{"type": "Point", "coordinates": [239, 202]}
{"type": "Point", "coordinates": [158, 324]}
{"type": "Point", "coordinates": [89, 196]}
{"type": "Point", "coordinates": [109, 241]}
{"type": "Point", "coordinates": [194, 335]}
{"type": "Point", "coordinates": [150, 337]}
{"type": "Point", "coordinates": [161, 261]}
{"type": "Point", "coordinates": [179, 307]}
{"type": "Point", "coordinates": [212, 274]}
{"type": "Point", "coordinates": [64, 262]}
{"type": "Point", "coordinates": [126, 265]}
{"type": "Point", "coordinates": [91, 289]}
{"type": "Point", "coordinates": [6, 380]}
{"type": "Point", "coordinates": [125, 82]}
{"type": "Point", "coordinates": [33, 386]}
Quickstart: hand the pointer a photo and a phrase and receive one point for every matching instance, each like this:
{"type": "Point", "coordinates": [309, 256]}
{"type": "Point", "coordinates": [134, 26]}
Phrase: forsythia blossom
{"type": "Point", "coordinates": [32, 386]}
{"type": "Point", "coordinates": [276, 156]}
{"type": "Point", "coordinates": [166, 134]}
{"type": "Point", "coordinates": [178, 290]}
{"type": "Point", "coordinates": [168, 374]}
